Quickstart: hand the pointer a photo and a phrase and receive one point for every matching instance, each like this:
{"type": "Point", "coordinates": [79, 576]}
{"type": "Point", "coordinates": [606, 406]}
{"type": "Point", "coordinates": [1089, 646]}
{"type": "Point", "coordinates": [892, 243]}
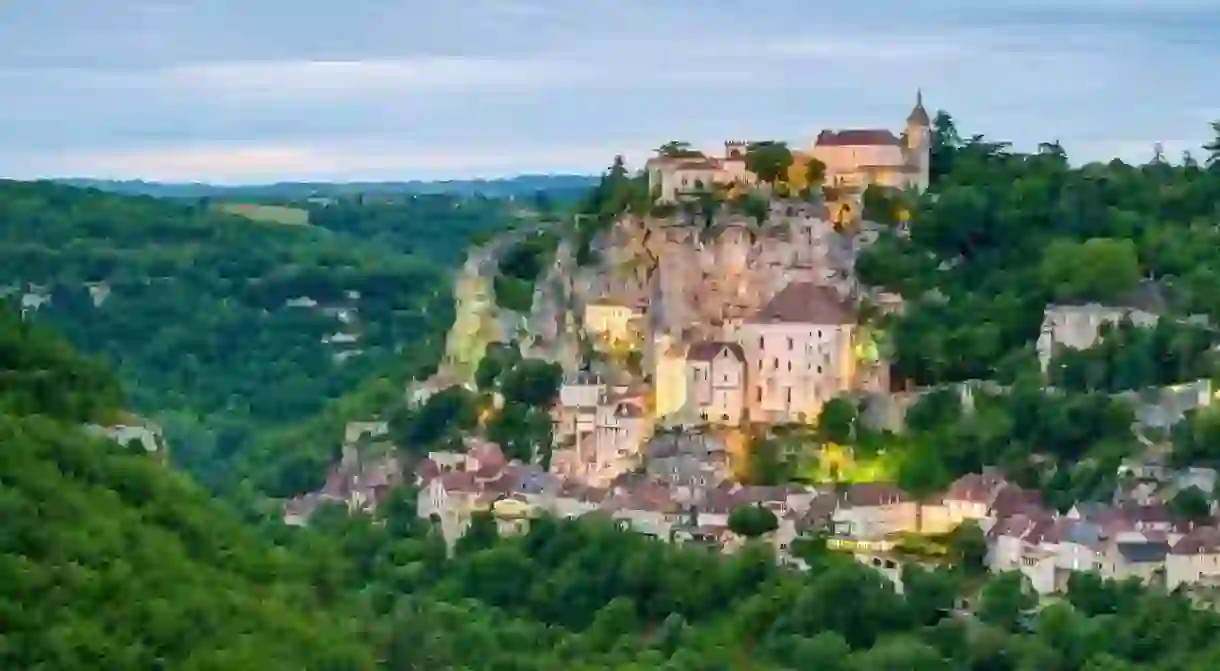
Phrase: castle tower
{"type": "Point", "coordinates": [919, 142]}
{"type": "Point", "coordinates": [735, 149]}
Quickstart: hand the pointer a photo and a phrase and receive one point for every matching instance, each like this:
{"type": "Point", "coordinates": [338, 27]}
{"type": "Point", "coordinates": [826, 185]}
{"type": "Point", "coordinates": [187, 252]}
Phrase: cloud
{"type": "Point", "coordinates": [327, 79]}
{"type": "Point", "coordinates": [336, 160]}
{"type": "Point", "coordinates": [229, 88]}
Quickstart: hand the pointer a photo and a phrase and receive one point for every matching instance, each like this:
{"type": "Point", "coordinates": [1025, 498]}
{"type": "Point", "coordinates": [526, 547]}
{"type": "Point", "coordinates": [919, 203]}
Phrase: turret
{"type": "Point", "coordinates": [735, 149]}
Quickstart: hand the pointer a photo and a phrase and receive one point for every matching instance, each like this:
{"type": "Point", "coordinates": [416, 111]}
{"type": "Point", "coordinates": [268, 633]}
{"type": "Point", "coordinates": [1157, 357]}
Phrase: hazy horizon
{"type": "Point", "coordinates": [230, 93]}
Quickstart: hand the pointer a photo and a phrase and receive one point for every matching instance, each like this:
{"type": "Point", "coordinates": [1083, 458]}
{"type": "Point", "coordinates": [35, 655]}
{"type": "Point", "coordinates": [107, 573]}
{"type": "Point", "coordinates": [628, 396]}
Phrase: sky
{"type": "Point", "coordinates": [250, 91]}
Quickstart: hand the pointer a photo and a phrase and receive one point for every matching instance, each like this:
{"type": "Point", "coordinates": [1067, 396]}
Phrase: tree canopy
{"type": "Point", "coordinates": [195, 309]}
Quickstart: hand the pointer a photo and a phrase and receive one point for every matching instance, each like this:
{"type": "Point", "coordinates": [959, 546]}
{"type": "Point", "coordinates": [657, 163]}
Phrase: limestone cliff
{"type": "Point", "coordinates": [687, 276]}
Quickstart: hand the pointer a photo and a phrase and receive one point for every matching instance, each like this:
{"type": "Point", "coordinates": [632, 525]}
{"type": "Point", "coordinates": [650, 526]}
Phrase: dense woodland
{"type": "Point", "coordinates": [110, 559]}
{"type": "Point", "coordinates": [196, 323]}
{"type": "Point", "coordinates": [1002, 234]}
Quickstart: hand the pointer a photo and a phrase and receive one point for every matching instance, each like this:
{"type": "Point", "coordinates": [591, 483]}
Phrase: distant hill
{"type": "Point", "coordinates": [222, 330]}
{"type": "Point", "coordinates": [519, 186]}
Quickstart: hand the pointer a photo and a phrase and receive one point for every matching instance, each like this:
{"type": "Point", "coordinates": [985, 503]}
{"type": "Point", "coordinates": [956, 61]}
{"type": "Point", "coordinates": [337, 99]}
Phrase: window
{"type": "Point", "coordinates": [819, 333]}
{"type": "Point", "coordinates": [788, 395]}
{"type": "Point", "coordinates": [790, 344]}
{"type": "Point", "coordinates": [775, 363]}
{"type": "Point", "coordinates": [758, 395]}
{"type": "Point", "coordinates": [789, 366]}
{"type": "Point", "coordinates": [760, 342]}
{"type": "Point", "coordinates": [819, 370]}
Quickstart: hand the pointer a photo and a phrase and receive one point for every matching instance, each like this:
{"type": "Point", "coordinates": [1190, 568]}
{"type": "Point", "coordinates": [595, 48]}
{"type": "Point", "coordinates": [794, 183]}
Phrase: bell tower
{"type": "Point", "coordinates": [918, 143]}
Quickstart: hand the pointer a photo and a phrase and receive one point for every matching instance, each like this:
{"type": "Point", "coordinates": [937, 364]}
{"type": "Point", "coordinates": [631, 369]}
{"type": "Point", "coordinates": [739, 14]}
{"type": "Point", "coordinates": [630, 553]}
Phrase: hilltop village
{"type": "Point", "coordinates": [703, 329]}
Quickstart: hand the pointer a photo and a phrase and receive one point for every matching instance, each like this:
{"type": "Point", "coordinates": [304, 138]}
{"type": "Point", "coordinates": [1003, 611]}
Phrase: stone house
{"type": "Point", "coordinates": [716, 381]}
{"type": "Point", "coordinates": [574, 417]}
{"type": "Point", "coordinates": [1079, 326]}
{"type": "Point", "coordinates": [673, 178]}
{"type": "Point", "coordinates": [872, 511]}
{"type": "Point", "coordinates": [574, 499]}
{"type": "Point", "coordinates": [620, 430]}
{"type": "Point", "coordinates": [361, 481]}
{"type": "Point", "coordinates": [969, 498]}
{"type": "Point", "coordinates": [1029, 544]}
{"type": "Point", "coordinates": [800, 353]}
{"type": "Point", "coordinates": [646, 507]}
{"type": "Point", "coordinates": [611, 322]}
{"type": "Point", "coordinates": [1194, 559]}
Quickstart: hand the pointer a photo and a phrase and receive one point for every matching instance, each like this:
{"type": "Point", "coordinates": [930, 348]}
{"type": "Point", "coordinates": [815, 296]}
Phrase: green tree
{"type": "Point", "coordinates": [815, 176]}
{"type": "Point", "coordinates": [769, 160]}
{"type": "Point", "coordinates": [837, 421]}
{"type": "Point", "coordinates": [1212, 162]}
{"type": "Point", "coordinates": [522, 431]}
{"type": "Point", "coordinates": [532, 382]}
{"type": "Point", "coordinates": [1096, 269]}
{"type": "Point", "coordinates": [1191, 504]}
{"type": "Point", "coordinates": [968, 547]}
{"type": "Point", "coordinates": [677, 149]}
{"type": "Point", "coordinates": [752, 521]}
{"type": "Point", "coordinates": [1005, 599]}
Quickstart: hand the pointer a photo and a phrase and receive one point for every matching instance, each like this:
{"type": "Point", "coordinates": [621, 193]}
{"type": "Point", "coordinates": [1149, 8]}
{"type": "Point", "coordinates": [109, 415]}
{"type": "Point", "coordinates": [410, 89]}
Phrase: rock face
{"type": "Point", "coordinates": [692, 276]}
{"type": "Point", "coordinates": [699, 278]}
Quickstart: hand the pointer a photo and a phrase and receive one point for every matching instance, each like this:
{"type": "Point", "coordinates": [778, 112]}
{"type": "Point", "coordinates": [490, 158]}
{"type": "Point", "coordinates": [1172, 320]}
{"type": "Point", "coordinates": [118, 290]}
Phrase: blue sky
{"type": "Point", "coordinates": [260, 90]}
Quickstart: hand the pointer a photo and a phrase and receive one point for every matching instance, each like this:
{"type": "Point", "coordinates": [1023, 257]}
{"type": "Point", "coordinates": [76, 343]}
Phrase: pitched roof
{"type": "Point", "coordinates": [1013, 500]}
{"type": "Point", "coordinates": [710, 349]}
{"type": "Point", "coordinates": [919, 115]}
{"type": "Point", "coordinates": [698, 164]}
{"type": "Point", "coordinates": [858, 137]}
{"type": "Point", "coordinates": [975, 487]}
{"type": "Point", "coordinates": [1144, 553]}
{"type": "Point", "coordinates": [1203, 540]}
{"type": "Point", "coordinates": [805, 303]}
{"type": "Point", "coordinates": [874, 494]}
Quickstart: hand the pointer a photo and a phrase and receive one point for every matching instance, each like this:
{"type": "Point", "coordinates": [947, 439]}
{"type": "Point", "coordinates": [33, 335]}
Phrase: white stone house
{"type": "Point", "coordinates": [1194, 559]}
{"type": "Point", "coordinates": [716, 380]}
{"type": "Point", "coordinates": [969, 498]}
{"type": "Point", "coordinates": [871, 511]}
{"type": "Point", "coordinates": [800, 353]}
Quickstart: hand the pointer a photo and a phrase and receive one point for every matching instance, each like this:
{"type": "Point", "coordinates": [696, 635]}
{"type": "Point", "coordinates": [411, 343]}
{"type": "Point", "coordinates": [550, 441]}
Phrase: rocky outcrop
{"type": "Point", "coordinates": [693, 276]}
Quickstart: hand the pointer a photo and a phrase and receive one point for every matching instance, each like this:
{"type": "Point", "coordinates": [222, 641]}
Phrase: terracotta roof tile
{"type": "Point", "coordinates": [805, 303]}
{"type": "Point", "coordinates": [975, 487]}
{"type": "Point", "coordinates": [1203, 540]}
{"type": "Point", "coordinates": [858, 137]}
{"type": "Point", "coordinates": [874, 494]}
{"type": "Point", "coordinates": [709, 350]}
{"type": "Point", "coordinates": [459, 481]}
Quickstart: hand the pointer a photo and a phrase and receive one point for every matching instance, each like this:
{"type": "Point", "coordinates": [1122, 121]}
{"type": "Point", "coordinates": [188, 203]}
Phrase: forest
{"type": "Point", "coordinates": [1000, 235]}
{"type": "Point", "coordinates": [196, 318]}
{"type": "Point", "coordinates": [111, 559]}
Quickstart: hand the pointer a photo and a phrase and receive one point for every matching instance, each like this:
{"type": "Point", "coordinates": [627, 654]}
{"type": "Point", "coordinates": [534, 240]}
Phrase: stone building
{"type": "Point", "coordinates": [717, 381]}
{"type": "Point", "coordinates": [854, 158]}
{"type": "Point", "coordinates": [799, 353]}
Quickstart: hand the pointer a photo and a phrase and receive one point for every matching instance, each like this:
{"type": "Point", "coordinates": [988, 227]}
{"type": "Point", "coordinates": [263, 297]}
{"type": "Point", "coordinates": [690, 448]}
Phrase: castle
{"type": "Point", "coordinates": [854, 159]}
